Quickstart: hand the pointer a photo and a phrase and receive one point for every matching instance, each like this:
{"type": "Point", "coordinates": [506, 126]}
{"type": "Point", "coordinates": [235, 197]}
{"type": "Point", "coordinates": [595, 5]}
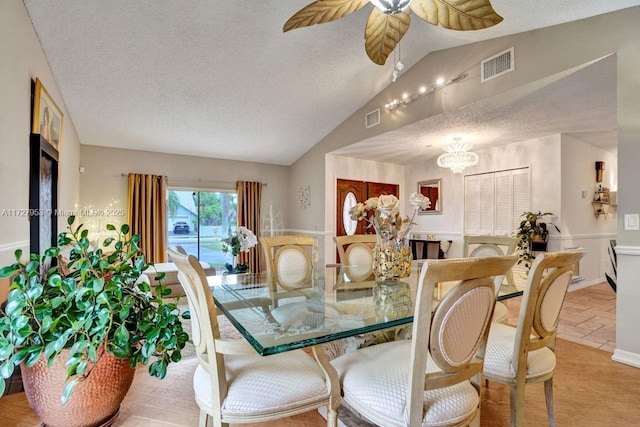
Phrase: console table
{"type": "Point", "coordinates": [424, 249]}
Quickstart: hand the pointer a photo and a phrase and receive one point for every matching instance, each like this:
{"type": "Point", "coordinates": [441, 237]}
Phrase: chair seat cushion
{"type": "Point", "coordinates": [259, 385]}
{"type": "Point", "coordinates": [497, 360]}
{"type": "Point", "coordinates": [377, 378]}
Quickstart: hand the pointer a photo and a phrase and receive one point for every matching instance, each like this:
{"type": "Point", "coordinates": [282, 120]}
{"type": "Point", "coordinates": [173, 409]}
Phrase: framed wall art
{"type": "Point", "coordinates": [433, 190]}
{"type": "Point", "coordinates": [47, 117]}
{"type": "Point", "coordinates": [43, 194]}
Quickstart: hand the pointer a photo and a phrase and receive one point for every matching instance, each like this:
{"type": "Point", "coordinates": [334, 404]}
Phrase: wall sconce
{"type": "Point", "coordinates": [599, 171]}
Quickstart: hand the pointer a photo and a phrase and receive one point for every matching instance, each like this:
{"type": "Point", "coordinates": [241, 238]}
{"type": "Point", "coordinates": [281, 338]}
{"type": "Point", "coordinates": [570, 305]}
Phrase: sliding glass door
{"type": "Point", "coordinates": [199, 221]}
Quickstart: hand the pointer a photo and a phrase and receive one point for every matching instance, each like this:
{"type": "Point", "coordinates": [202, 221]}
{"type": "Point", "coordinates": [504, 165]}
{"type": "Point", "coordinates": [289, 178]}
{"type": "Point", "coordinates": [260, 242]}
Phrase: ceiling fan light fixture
{"type": "Point", "coordinates": [390, 7]}
{"type": "Point", "coordinates": [458, 157]}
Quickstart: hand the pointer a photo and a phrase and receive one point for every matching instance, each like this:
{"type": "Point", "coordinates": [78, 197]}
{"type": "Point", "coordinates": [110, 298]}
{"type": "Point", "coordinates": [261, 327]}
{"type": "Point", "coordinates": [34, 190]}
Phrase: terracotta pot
{"type": "Point", "coordinates": [93, 402]}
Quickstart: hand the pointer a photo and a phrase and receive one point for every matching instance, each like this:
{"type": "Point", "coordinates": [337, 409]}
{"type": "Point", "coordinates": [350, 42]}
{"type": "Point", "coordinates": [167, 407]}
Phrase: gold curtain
{"type": "Point", "coordinates": [249, 196]}
{"type": "Point", "coordinates": [147, 207]}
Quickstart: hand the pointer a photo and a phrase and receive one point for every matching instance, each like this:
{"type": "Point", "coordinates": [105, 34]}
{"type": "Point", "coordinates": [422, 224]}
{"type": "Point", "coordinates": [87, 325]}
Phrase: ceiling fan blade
{"type": "Point", "coordinates": [384, 32]}
{"type": "Point", "coordinates": [322, 11]}
{"type": "Point", "coordinates": [462, 15]}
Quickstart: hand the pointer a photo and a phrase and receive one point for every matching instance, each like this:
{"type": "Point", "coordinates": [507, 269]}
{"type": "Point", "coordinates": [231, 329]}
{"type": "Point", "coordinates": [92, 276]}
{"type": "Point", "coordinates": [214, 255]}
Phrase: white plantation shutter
{"type": "Point", "coordinates": [504, 203]}
{"type": "Point", "coordinates": [494, 201]}
{"type": "Point", "coordinates": [471, 205]}
{"type": "Point", "coordinates": [521, 194]}
{"type": "Point", "coordinates": [486, 203]}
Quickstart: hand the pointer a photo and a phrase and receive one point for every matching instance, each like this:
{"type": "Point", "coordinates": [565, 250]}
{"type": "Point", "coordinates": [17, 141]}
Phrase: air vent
{"type": "Point", "coordinates": [497, 65]}
{"type": "Point", "coordinates": [372, 119]}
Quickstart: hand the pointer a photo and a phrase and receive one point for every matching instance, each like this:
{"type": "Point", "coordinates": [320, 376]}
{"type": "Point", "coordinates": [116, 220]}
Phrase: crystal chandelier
{"type": "Point", "coordinates": [457, 156]}
{"type": "Point", "coordinates": [391, 6]}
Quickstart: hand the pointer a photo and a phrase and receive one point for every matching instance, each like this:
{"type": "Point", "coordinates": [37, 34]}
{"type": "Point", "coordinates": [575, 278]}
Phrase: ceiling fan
{"type": "Point", "coordinates": [390, 19]}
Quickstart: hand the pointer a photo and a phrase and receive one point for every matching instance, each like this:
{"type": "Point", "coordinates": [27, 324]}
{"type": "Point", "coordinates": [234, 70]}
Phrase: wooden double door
{"type": "Point", "coordinates": [350, 192]}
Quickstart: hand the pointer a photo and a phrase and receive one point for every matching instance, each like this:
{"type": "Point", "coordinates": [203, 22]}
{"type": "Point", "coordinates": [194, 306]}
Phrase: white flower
{"type": "Point", "coordinates": [247, 239]}
{"type": "Point", "coordinates": [357, 212]}
{"type": "Point", "coordinates": [418, 200]}
{"type": "Point", "coordinates": [388, 205]}
{"type": "Point", "coordinates": [371, 203]}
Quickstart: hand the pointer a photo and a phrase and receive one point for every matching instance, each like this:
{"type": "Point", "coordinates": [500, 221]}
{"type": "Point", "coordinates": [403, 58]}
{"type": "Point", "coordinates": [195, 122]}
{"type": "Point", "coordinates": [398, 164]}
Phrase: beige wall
{"type": "Point", "coordinates": [540, 54]}
{"type": "Point", "coordinates": [102, 181]}
{"type": "Point", "coordinates": [23, 61]}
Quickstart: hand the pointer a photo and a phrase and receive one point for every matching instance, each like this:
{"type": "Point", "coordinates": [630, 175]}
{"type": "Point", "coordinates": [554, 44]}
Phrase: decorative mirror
{"type": "Point", "coordinates": [433, 190]}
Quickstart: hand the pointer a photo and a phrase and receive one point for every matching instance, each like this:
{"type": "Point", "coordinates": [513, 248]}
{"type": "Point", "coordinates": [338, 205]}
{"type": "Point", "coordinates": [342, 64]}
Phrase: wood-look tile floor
{"type": "Point", "coordinates": [590, 389]}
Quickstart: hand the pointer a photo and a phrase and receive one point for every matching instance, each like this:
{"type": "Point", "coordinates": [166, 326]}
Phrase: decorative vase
{"type": "Point", "coordinates": [392, 299]}
{"type": "Point", "coordinates": [391, 258]}
{"type": "Point", "coordinates": [95, 401]}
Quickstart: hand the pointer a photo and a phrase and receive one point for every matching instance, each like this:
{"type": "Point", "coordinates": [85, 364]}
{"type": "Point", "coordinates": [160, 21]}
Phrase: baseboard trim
{"type": "Point", "coordinates": [626, 357]}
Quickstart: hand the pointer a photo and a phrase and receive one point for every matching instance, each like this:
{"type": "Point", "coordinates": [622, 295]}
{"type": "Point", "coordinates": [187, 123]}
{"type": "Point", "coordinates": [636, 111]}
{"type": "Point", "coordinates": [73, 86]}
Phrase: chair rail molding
{"type": "Point", "coordinates": [7, 250]}
{"type": "Point", "coordinates": [628, 250]}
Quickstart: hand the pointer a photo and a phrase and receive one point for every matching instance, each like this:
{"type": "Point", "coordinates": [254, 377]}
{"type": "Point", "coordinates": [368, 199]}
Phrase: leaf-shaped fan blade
{"type": "Point", "coordinates": [384, 32]}
{"type": "Point", "coordinates": [460, 15]}
{"type": "Point", "coordinates": [322, 11]}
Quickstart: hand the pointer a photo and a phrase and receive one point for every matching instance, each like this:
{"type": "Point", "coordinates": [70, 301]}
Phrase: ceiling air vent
{"type": "Point", "coordinates": [497, 65]}
{"type": "Point", "coordinates": [372, 119]}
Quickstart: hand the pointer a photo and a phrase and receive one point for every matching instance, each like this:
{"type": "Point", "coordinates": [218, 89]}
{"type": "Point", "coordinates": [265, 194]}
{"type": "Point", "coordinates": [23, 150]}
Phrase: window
{"type": "Point", "coordinates": [199, 221]}
{"type": "Point", "coordinates": [494, 201]}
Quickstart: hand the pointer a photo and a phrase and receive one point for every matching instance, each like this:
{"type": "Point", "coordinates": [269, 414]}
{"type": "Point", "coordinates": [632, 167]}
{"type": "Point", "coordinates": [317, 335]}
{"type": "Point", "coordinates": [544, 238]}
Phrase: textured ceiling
{"type": "Point", "coordinates": [220, 79]}
{"type": "Point", "coordinates": [581, 103]}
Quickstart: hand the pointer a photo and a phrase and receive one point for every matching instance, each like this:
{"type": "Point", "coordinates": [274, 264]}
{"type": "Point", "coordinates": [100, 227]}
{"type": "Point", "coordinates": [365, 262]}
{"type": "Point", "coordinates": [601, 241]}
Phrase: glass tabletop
{"type": "Point", "coordinates": [291, 310]}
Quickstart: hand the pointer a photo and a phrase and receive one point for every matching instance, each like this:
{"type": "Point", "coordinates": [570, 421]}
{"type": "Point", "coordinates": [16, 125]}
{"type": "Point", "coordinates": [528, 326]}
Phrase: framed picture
{"type": "Point", "coordinates": [43, 194]}
{"type": "Point", "coordinates": [433, 190]}
{"type": "Point", "coordinates": [47, 117]}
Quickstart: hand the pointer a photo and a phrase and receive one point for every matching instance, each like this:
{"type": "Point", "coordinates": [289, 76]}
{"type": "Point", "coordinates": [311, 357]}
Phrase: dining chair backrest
{"type": "Point", "coordinates": [483, 246]}
{"type": "Point", "coordinates": [356, 255]}
{"type": "Point", "coordinates": [290, 259]}
{"type": "Point", "coordinates": [456, 332]}
{"type": "Point", "coordinates": [204, 321]}
{"type": "Point", "coordinates": [544, 294]}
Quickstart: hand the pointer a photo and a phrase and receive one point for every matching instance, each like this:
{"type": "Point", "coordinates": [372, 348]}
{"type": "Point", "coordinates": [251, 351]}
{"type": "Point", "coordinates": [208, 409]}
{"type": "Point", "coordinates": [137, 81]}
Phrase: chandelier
{"type": "Point", "coordinates": [457, 156]}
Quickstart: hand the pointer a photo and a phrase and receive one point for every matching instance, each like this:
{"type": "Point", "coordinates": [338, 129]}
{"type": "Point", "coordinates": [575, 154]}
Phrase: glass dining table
{"type": "Point", "coordinates": [287, 311]}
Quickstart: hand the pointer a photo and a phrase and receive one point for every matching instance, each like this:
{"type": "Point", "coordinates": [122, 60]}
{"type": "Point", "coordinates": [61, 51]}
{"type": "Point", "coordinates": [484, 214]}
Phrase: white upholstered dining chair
{"type": "Point", "coordinates": [356, 255]}
{"type": "Point", "coordinates": [291, 258]}
{"type": "Point", "coordinates": [233, 383]}
{"type": "Point", "coordinates": [525, 354]}
{"type": "Point", "coordinates": [427, 381]}
{"type": "Point", "coordinates": [483, 246]}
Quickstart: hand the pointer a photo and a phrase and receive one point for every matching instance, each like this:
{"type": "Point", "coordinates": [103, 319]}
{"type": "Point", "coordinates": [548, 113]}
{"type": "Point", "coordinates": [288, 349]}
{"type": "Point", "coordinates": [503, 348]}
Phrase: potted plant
{"type": "Point", "coordinates": [91, 317]}
{"type": "Point", "coordinates": [533, 235]}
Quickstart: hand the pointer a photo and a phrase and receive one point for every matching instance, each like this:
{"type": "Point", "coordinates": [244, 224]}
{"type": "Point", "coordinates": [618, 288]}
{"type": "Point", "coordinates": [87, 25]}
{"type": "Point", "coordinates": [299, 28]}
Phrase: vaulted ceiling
{"type": "Point", "coordinates": [221, 79]}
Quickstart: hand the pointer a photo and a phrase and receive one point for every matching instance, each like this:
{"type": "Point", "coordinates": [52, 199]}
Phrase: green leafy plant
{"type": "Point", "coordinates": [96, 304]}
{"type": "Point", "coordinates": [532, 229]}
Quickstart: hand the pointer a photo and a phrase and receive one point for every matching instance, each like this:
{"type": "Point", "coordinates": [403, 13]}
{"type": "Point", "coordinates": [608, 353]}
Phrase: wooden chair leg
{"type": "Point", "coordinates": [517, 405]}
{"type": "Point", "coordinates": [548, 394]}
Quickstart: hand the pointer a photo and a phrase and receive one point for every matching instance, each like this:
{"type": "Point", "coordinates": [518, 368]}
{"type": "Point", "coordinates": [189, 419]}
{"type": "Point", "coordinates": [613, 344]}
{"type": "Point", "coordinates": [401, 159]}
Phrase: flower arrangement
{"type": "Point", "coordinates": [241, 241]}
{"type": "Point", "coordinates": [392, 257]}
{"type": "Point", "coordinates": [386, 219]}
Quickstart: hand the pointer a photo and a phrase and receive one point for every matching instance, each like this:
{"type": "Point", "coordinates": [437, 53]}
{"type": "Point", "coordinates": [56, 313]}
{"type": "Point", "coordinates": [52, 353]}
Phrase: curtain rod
{"type": "Point", "coordinates": [196, 180]}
